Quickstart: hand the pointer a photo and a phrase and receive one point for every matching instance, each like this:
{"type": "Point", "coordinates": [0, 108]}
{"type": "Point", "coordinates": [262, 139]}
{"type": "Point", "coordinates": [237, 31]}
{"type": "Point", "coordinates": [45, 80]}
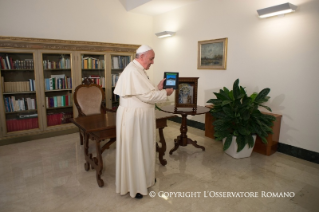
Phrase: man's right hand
{"type": "Point", "coordinates": [169, 91]}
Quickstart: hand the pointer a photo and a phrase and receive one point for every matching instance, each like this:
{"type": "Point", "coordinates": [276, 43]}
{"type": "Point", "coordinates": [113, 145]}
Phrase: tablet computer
{"type": "Point", "coordinates": [171, 80]}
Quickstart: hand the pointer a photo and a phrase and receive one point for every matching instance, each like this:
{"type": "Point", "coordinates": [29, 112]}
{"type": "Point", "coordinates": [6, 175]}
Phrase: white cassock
{"type": "Point", "coordinates": [135, 130]}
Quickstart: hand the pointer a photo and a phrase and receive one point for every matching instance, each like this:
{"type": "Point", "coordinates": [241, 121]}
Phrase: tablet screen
{"type": "Point", "coordinates": [171, 79]}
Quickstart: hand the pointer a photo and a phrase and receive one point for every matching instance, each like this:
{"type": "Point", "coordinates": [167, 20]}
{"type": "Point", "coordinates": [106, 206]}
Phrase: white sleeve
{"type": "Point", "coordinates": [153, 96]}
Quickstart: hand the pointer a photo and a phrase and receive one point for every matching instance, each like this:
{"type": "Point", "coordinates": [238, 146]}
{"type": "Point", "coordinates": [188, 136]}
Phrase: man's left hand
{"type": "Point", "coordinates": [160, 85]}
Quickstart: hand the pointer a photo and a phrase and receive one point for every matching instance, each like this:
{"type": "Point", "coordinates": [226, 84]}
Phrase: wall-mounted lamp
{"type": "Point", "coordinates": [165, 34]}
{"type": "Point", "coordinates": [276, 10]}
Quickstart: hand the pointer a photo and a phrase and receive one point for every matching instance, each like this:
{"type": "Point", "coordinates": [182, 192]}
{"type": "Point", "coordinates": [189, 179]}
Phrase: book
{"type": "Point", "coordinates": [8, 62]}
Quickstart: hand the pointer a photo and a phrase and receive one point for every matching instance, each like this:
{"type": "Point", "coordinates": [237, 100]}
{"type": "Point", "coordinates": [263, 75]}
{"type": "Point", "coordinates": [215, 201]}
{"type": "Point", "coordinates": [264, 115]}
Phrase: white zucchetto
{"type": "Point", "coordinates": [143, 48]}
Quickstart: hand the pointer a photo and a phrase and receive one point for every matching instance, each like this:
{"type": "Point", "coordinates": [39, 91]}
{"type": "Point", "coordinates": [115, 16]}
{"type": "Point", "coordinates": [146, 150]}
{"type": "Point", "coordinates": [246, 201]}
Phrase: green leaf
{"type": "Point", "coordinates": [226, 102]}
{"type": "Point", "coordinates": [218, 114]}
{"type": "Point", "coordinates": [228, 111]}
{"type": "Point", "coordinates": [214, 101]}
{"type": "Point", "coordinates": [268, 108]}
{"type": "Point", "coordinates": [240, 143]}
{"type": "Point", "coordinates": [263, 139]}
{"type": "Point", "coordinates": [220, 96]}
{"type": "Point", "coordinates": [249, 140]}
{"type": "Point", "coordinates": [243, 131]}
{"type": "Point", "coordinates": [236, 90]}
{"type": "Point", "coordinates": [227, 142]}
{"type": "Point", "coordinates": [262, 94]}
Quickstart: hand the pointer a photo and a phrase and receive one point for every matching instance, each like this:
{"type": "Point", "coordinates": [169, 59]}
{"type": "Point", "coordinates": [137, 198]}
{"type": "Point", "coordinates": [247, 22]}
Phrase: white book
{"type": "Point", "coordinates": [33, 104]}
{"type": "Point", "coordinates": [115, 62]}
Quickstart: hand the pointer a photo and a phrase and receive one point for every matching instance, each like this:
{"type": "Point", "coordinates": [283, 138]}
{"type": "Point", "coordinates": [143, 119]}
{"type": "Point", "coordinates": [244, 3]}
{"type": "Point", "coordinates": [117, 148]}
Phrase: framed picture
{"type": "Point", "coordinates": [212, 54]}
{"type": "Point", "coordinates": [186, 92]}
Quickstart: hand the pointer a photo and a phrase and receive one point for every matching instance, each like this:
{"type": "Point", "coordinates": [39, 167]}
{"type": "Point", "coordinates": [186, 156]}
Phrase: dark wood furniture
{"type": "Point", "coordinates": [260, 147]}
{"type": "Point", "coordinates": [89, 99]}
{"type": "Point", "coordinates": [103, 126]}
{"type": "Point", "coordinates": [182, 139]}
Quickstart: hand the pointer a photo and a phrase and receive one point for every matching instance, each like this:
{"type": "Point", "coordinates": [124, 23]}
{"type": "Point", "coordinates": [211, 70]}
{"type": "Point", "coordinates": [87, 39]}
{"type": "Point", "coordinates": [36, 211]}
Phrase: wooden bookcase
{"type": "Point", "coordinates": [42, 80]}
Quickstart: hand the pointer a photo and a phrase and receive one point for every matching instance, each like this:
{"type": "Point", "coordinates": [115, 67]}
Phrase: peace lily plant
{"type": "Point", "coordinates": [237, 114]}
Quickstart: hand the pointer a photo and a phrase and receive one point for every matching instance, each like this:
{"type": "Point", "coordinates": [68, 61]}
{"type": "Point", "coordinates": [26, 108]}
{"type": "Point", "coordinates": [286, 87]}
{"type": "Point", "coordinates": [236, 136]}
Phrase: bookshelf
{"type": "Point", "coordinates": [42, 79]}
{"type": "Point", "coordinates": [93, 67]}
{"type": "Point", "coordinates": [18, 91]}
{"type": "Point", "coordinates": [58, 87]}
{"type": "Point", "coordinates": [117, 64]}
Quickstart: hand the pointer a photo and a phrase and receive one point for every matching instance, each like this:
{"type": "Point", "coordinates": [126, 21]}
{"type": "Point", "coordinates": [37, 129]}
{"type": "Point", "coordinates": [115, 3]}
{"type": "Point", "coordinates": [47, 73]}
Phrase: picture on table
{"type": "Point", "coordinates": [185, 93]}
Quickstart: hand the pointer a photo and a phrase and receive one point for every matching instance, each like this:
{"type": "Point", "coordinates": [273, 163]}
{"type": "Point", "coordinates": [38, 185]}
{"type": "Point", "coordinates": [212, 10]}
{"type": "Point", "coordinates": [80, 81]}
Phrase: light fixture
{"type": "Point", "coordinates": [276, 10]}
{"type": "Point", "coordinates": [165, 34]}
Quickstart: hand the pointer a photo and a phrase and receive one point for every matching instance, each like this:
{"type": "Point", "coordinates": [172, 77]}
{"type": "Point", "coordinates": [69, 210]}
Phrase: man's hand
{"type": "Point", "coordinates": [160, 85]}
{"type": "Point", "coordinates": [169, 91]}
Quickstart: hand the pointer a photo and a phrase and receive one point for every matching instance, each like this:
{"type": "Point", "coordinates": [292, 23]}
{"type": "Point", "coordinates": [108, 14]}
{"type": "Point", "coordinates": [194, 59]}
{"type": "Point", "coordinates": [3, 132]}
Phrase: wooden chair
{"type": "Point", "coordinates": [89, 99]}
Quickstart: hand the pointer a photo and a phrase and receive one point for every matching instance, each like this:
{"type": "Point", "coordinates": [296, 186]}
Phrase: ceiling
{"type": "Point", "coordinates": [154, 7]}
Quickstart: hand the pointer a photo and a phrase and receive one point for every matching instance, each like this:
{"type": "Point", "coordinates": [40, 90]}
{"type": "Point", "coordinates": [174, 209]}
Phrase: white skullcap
{"type": "Point", "coordinates": [143, 48]}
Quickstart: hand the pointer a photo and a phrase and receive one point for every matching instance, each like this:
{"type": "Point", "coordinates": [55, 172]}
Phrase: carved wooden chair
{"type": "Point", "coordinates": [89, 99]}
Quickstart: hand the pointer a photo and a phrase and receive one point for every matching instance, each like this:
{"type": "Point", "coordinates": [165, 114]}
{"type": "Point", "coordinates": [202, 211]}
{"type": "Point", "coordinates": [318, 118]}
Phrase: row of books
{"type": "Point", "coordinates": [59, 118]}
{"type": "Point", "coordinates": [19, 86]}
{"type": "Point", "coordinates": [7, 63]}
{"type": "Point", "coordinates": [58, 82]}
{"type": "Point", "coordinates": [120, 62]}
{"type": "Point", "coordinates": [115, 78]}
{"type": "Point", "coordinates": [97, 80]}
{"type": "Point", "coordinates": [22, 124]}
{"type": "Point", "coordinates": [92, 63]}
{"type": "Point", "coordinates": [64, 63]}
{"type": "Point", "coordinates": [58, 101]}
{"type": "Point", "coordinates": [12, 104]}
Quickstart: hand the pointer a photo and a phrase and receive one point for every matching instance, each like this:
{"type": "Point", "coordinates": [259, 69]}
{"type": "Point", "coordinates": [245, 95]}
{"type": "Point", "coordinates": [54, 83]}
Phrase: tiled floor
{"type": "Point", "coordinates": [48, 175]}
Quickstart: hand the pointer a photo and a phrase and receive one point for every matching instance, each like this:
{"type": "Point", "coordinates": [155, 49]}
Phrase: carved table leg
{"type": "Point", "coordinates": [176, 142]}
{"type": "Point", "coordinates": [182, 139]}
{"type": "Point", "coordinates": [194, 143]}
{"type": "Point", "coordinates": [81, 136]}
{"type": "Point", "coordinates": [99, 164]}
{"type": "Point", "coordinates": [161, 151]}
{"type": "Point", "coordinates": [86, 152]}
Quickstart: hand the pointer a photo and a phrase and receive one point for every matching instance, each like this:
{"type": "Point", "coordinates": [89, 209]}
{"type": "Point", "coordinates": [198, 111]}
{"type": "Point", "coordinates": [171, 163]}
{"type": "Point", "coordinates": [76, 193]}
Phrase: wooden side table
{"type": "Point", "coordinates": [260, 147]}
{"type": "Point", "coordinates": [182, 139]}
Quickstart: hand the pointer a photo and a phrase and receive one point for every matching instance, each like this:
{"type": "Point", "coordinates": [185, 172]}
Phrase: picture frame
{"type": "Point", "coordinates": [186, 92]}
{"type": "Point", "coordinates": [212, 54]}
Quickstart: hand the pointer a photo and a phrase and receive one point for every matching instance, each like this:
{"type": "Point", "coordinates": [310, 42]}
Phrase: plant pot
{"type": "Point", "coordinates": [232, 150]}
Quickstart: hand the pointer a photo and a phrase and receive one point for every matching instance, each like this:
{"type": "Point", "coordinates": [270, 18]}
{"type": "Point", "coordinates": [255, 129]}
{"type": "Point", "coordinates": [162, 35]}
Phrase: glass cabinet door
{"type": "Point", "coordinates": [19, 91]}
{"type": "Point", "coordinates": [119, 62]}
{"type": "Point", "coordinates": [93, 67]}
{"type": "Point", "coordinates": [57, 75]}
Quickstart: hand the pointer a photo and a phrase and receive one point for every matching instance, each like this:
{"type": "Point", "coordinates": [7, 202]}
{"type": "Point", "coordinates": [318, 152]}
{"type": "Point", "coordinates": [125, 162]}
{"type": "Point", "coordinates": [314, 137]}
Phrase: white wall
{"type": "Point", "coordinates": [279, 53]}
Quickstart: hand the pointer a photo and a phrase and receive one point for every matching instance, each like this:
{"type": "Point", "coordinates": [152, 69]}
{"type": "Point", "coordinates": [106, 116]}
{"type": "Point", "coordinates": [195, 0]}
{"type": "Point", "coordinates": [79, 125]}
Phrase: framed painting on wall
{"type": "Point", "coordinates": [212, 54]}
{"type": "Point", "coordinates": [186, 92]}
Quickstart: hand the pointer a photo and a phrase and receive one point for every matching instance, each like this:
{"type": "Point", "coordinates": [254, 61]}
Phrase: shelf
{"type": "Point", "coordinates": [53, 108]}
{"type": "Point", "coordinates": [4, 70]}
{"type": "Point", "coordinates": [23, 92]}
{"type": "Point", "coordinates": [22, 111]}
{"type": "Point", "coordinates": [59, 90]}
{"type": "Point", "coordinates": [92, 69]}
{"type": "Point", "coordinates": [58, 69]}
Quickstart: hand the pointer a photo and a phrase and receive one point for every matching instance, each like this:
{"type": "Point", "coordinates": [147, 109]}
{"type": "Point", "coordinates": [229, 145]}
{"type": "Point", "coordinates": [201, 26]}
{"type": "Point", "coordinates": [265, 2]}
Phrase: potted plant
{"type": "Point", "coordinates": [237, 118]}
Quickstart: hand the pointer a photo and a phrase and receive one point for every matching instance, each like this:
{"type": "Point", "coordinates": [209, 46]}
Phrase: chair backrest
{"type": "Point", "coordinates": [88, 98]}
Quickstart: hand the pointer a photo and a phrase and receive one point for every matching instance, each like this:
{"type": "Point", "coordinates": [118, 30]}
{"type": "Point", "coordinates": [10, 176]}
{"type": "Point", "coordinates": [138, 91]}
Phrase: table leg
{"type": "Point", "coordinates": [98, 162]}
{"type": "Point", "coordinates": [182, 139]}
{"type": "Point", "coordinates": [86, 152]}
{"type": "Point", "coordinates": [161, 151]}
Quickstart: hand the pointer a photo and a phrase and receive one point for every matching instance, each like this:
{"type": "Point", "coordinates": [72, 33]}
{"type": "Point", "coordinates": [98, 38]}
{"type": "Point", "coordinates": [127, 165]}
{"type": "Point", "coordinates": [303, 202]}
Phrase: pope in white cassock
{"type": "Point", "coordinates": [136, 125]}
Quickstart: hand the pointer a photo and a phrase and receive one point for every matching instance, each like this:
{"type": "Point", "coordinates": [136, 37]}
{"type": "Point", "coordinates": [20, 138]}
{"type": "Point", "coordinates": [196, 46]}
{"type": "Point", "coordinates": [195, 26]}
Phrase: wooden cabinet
{"type": "Point", "coordinates": [260, 147]}
{"type": "Point", "coordinates": [38, 78]}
